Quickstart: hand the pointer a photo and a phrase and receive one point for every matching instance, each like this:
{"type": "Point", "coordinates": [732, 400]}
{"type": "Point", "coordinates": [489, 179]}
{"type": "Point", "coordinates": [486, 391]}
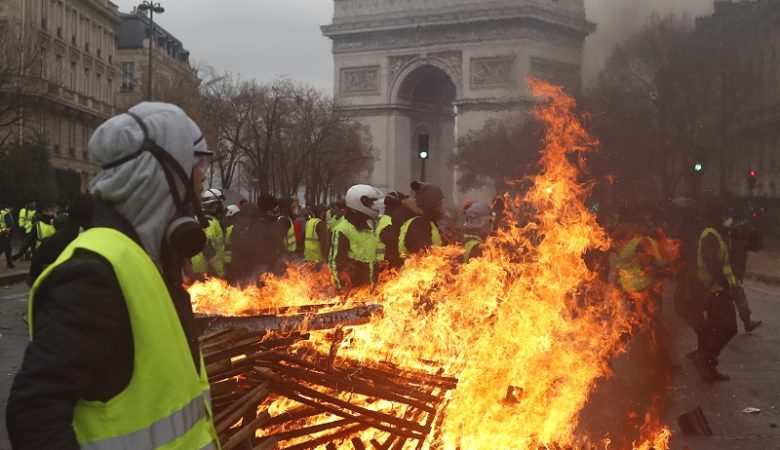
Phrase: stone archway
{"type": "Point", "coordinates": [445, 67]}
{"type": "Point", "coordinates": [426, 99]}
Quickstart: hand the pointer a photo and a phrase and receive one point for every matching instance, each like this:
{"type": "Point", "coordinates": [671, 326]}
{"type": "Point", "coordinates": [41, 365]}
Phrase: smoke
{"type": "Point", "coordinates": [619, 19]}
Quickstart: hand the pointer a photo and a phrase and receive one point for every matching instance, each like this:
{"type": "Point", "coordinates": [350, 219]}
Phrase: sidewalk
{"type": "Point", "coordinates": [764, 266]}
{"type": "Point", "coordinates": [15, 275]}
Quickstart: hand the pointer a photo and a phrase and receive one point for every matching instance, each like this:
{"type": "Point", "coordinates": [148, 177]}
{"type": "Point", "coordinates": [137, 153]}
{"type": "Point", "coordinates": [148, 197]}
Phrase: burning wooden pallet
{"type": "Point", "coordinates": [324, 402]}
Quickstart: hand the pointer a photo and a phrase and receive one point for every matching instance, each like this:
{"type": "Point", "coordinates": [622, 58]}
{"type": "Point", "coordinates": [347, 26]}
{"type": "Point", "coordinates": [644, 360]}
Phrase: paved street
{"type": "Point", "coordinates": [752, 360]}
{"type": "Point", "coordinates": [13, 338]}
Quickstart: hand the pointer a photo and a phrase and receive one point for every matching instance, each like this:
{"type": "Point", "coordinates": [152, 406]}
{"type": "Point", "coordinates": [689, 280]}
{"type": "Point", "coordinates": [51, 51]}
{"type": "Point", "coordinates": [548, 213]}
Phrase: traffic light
{"type": "Point", "coordinates": [752, 178]}
{"type": "Point", "coordinates": [422, 146]}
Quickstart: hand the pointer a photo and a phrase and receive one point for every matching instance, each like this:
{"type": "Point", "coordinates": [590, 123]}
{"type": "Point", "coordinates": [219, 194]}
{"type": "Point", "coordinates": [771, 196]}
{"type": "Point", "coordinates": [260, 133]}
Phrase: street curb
{"type": "Point", "coordinates": [764, 277]}
{"type": "Point", "coordinates": [12, 278]}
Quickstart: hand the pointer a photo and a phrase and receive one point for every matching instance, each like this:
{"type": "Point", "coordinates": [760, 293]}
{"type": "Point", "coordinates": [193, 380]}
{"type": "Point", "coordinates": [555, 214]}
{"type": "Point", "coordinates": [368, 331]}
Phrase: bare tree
{"type": "Point", "coordinates": [21, 83]}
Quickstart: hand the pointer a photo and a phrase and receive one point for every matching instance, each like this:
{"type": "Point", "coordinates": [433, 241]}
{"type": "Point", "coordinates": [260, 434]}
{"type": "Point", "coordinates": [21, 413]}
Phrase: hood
{"type": "Point", "coordinates": [138, 188]}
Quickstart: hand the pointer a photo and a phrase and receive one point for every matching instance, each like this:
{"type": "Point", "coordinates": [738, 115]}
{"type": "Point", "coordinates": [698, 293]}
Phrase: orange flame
{"type": "Point", "coordinates": [527, 328]}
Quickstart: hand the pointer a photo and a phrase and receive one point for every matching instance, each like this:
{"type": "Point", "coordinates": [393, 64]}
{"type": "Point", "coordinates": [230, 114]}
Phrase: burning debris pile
{"type": "Point", "coordinates": [267, 395]}
{"type": "Point", "coordinates": [527, 329]}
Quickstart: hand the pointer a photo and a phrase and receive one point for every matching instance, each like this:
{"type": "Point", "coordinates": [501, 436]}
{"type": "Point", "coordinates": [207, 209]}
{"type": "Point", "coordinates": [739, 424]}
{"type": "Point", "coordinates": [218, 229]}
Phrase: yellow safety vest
{"type": "Point", "coordinates": [312, 250]}
{"type": "Point", "coordinates": [215, 265]}
{"type": "Point", "coordinates": [290, 242]}
{"type": "Point", "coordinates": [470, 241]}
{"type": "Point", "coordinates": [630, 274]}
{"type": "Point", "coordinates": [26, 219]}
{"type": "Point", "coordinates": [228, 253]}
{"type": "Point", "coordinates": [166, 405]}
{"type": "Point", "coordinates": [435, 236]}
{"type": "Point", "coordinates": [384, 222]}
{"type": "Point", "coordinates": [723, 255]}
{"type": "Point", "coordinates": [3, 226]}
{"type": "Point", "coordinates": [362, 248]}
{"type": "Point", "coordinates": [44, 230]}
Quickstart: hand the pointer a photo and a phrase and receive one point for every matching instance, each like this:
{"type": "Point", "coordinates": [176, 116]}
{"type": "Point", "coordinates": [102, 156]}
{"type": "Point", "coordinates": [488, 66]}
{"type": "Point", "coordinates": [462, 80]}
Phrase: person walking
{"type": "Point", "coordinates": [6, 232]}
{"type": "Point", "coordinates": [719, 283]}
{"type": "Point", "coordinates": [743, 237]}
{"type": "Point", "coordinates": [114, 360]}
{"type": "Point", "coordinates": [28, 219]}
{"type": "Point", "coordinates": [352, 259]}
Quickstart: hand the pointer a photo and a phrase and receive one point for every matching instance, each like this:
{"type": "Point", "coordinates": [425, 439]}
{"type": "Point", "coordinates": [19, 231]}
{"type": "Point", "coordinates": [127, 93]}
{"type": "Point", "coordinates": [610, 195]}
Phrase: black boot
{"type": "Point", "coordinates": [751, 325]}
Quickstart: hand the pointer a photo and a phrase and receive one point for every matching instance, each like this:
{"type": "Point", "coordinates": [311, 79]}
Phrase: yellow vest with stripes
{"type": "Point", "coordinates": [630, 275]}
{"type": "Point", "coordinates": [384, 222]}
{"type": "Point", "coordinates": [215, 265]}
{"type": "Point", "coordinates": [723, 255]}
{"type": "Point", "coordinates": [289, 242]}
{"type": "Point", "coordinates": [166, 405]}
{"type": "Point", "coordinates": [362, 248]}
{"type": "Point", "coordinates": [312, 250]}
{"type": "Point", "coordinates": [435, 235]}
{"type": "Point", "coordinates": [44, 230]}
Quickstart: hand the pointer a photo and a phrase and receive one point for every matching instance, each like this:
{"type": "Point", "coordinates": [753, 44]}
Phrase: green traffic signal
{"type": "Point", "coordinates": [698, 167]}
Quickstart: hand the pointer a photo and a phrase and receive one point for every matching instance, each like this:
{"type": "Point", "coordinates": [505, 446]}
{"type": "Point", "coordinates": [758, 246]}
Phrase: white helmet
{"type": "Point", "coordinates": [232, 210]}
{"type": "Point", "coordinates": [211, 196]}
{"type": "Point", "coordinates": [373, 197]}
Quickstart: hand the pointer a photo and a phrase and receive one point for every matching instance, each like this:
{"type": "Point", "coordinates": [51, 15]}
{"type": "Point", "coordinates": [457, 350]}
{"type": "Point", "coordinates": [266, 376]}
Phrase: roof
{"type": "Point", "coordinates": [132, 33]}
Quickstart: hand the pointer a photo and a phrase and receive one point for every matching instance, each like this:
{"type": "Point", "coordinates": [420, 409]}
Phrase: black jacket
{"type": "Point", "coordinates": [83, 346]}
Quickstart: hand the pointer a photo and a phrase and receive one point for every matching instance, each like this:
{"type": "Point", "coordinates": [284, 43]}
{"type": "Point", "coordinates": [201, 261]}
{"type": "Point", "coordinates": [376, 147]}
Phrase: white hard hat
{"type": "Point", "coordinates": [373, 196]}
{"type": "Point", "coordinates": [232, 210]}
{"type": "Point", "coordinates": [211, 196]}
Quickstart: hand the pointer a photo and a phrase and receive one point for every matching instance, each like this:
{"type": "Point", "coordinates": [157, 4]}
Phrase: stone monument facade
{"type": "Point", "coordinates": [418, 71]}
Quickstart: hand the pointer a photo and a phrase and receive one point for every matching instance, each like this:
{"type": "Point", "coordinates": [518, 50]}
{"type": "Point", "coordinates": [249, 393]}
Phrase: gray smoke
{"type": "Point", "coordinates": [619, 19]}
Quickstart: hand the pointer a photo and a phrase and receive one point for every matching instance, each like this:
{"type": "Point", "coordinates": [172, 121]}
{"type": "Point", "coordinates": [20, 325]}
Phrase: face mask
{"type": "Point", "coordinates": [184, 234]}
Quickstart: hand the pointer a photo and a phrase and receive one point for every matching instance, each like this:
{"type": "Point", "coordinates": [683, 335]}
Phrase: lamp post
{"type": "Point", "coordinates": [152, 7]}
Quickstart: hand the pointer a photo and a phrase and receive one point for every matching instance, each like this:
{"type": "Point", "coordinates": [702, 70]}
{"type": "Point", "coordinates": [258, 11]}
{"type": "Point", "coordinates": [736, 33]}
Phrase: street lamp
{"type": "Point", "coordinates": [152, 7]}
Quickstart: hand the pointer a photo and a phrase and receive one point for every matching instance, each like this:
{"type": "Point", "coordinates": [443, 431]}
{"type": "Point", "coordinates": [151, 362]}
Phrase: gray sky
{"type": "Point", "coordinates": [264, 39]}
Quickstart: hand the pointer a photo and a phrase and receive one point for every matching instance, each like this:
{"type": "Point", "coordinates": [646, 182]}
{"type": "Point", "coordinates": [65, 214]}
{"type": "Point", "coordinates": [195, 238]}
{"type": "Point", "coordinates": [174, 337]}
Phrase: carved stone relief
{"type": "Point", "coordinates": [493, 72]}
{"type": "Point", "coordinates": [360, 80]}
{"type": "Point", "coordinates": [397, 64]}
{"type": "Point", "coordinates": [556, 72]}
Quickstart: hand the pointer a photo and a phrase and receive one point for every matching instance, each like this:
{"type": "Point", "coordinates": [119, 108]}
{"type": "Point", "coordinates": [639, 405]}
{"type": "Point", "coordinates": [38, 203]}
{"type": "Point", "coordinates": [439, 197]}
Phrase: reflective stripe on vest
{"type": "Point", "coordinates": [290, 242]}
{"type": "Point", "coordinates": [166, 404]}
{"type": "Point", "coordinates": [215, 264]}
{"type": "Point", "coordinates": [3, 226]}
{"type": "Point", "coordinates": [312, 250]}
{"type": "Point", "coordinates": [723, 256]}
{"type": "Point", "coordinates": [43, 231]}
{"type": "Point", "coordinates": [435, 236]}
{"type": "Point", "coordinates": [362, 248]}
{"type": "Point", "coordinates": [471, 241]}
{"type": "Point", "coordinates": [384, 222]}
{"type": "Point", "coordinates": [630, 275]}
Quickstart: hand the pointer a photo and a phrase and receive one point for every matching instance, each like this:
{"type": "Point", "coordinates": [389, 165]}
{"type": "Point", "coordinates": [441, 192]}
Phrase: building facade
{"type": "Point", "coordinates": [90, 62]}
{"type": "Point", "coordinates": [172, 69]}
{"type": "Point", "coordinates": [749, 41]}
{"type": "Point", "coordinates": [78, 72]}
{"type": "Point", "coordinates": [422, 73]}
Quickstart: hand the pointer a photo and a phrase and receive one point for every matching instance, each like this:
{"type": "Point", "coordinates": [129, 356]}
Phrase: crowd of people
{"type": "Point", "coordinates": [114, 359]}
{"type": "Point", "coordinates": [704, 252]}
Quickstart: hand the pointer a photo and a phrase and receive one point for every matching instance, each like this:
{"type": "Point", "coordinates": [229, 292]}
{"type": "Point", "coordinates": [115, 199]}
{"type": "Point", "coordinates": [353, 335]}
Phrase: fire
{"type": "Point", "coordinates": [527, 329]}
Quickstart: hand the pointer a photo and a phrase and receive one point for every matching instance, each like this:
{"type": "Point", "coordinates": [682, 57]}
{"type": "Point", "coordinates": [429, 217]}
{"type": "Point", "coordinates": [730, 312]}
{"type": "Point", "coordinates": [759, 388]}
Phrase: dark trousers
{"type": "Point", "coordinates": [740, 300]}
{"type": "Point", "coordinates": [28, 244]}
{"type": "Point", "coordinates": [720, 326]}
{"type": "Point", "coordinates": [5, 247]}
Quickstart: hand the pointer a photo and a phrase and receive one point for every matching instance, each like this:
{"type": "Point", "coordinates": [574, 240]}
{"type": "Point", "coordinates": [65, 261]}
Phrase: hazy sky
{"type": "Point", "coordinates": [264, 39]}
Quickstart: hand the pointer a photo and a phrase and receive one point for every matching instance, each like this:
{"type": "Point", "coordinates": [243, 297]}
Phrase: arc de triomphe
{"type": "Point", "coordinates": [432, 70]}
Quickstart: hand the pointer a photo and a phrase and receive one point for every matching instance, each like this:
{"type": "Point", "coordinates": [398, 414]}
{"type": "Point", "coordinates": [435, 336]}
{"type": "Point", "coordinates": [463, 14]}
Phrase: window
{"type": "Point", "coordinates": [86, 81]}
{"type": "Point", "coordinates": [110, 91]}
{"type": "Point", "coordinates": [128, 76]}
{"type": "Point", "coordinates": [58, 67]}
{"type": "Point", "coordinates": [74, 27]}
{"type": "Point", "coordinates": [72, 76]}
{"type": "Point", "coordinates": [71, 139]}
{"type": "Point", "coordinates": [98, 87]}
{"type": "Point", "coordinates": [44, 62]}
{"type": "Point", "coordinates": [44, 14]}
